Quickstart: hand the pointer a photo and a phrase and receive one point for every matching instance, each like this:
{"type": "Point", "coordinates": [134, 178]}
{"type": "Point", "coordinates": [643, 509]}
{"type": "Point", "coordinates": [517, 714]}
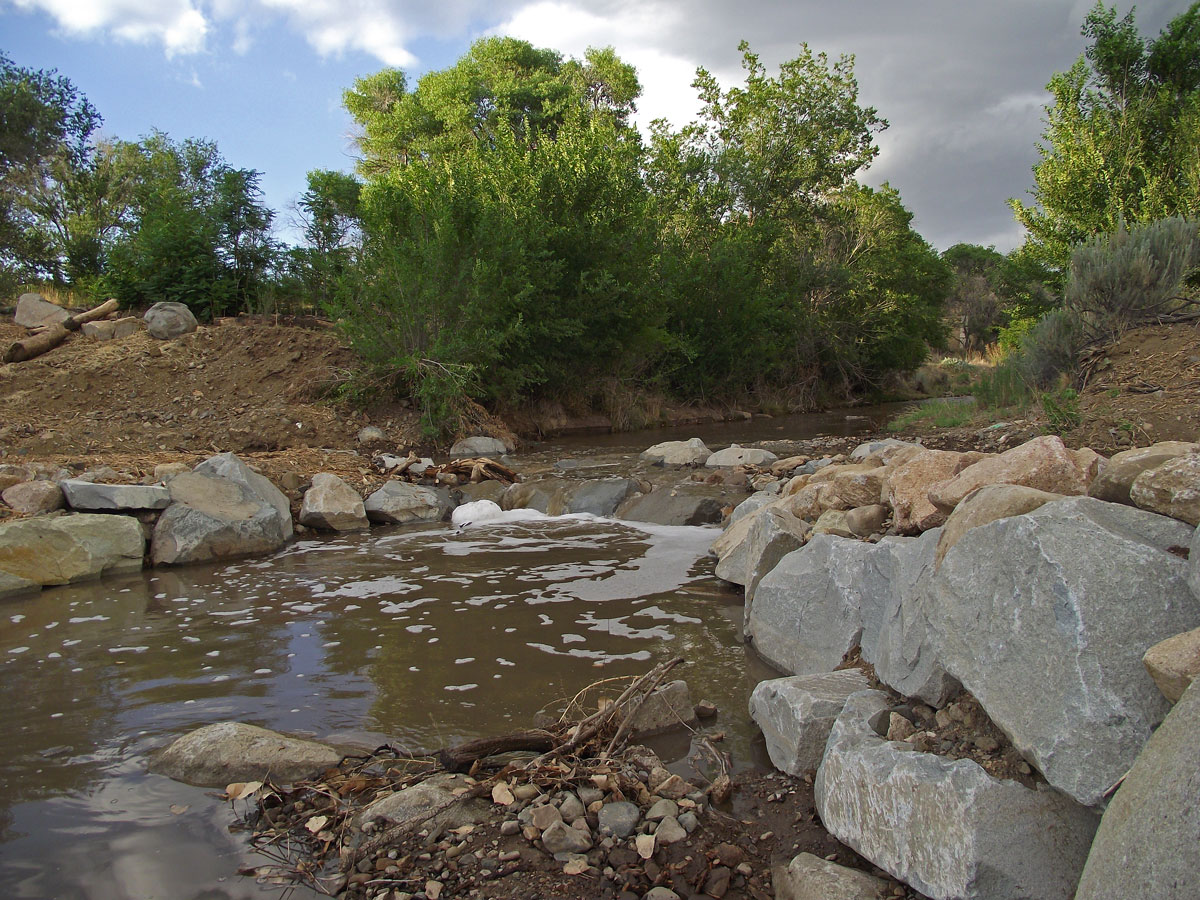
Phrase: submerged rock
{"type": "Point", "coordinates": [397, 502]}
{"type": "Point", "coordinates": [216, 755]}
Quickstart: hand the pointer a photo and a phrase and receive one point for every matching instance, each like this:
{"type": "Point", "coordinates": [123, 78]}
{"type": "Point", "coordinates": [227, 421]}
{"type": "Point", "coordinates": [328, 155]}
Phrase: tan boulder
{"type": "Point", "coordinates": [1114, 483]}
{"type": "Point", "coordinates": [909, 484]}
{"type": "Point", "coordinates": [861, 485]}
{"type": "Point", "coordinates": [1172, 489]}
{"type": "Point", "coordinates": [987, 504]}
{"type": "Point", "coordinates": [833, 521]}
{"type": "Point", "coordinates": [1174, 663]}
{"type": "Point", "coordinates": [864, 521]}
{"type": "Point", "coordinates": [33, 497]}
{"type": "Point", "coordinates": [794, 484]}
{"type": "Point", "coordinates": [1090, 463]}
{"type": "Point", "coordinates": [811, 500]}
{"type": "Point", "coordinates": [782, 467]}
{"type": "Point", "coordinates": [1042, 463]}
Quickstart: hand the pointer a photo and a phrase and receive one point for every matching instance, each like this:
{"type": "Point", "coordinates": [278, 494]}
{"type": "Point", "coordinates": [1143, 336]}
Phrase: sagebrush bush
{"type": "Point", "coordinates": [1130, 277]}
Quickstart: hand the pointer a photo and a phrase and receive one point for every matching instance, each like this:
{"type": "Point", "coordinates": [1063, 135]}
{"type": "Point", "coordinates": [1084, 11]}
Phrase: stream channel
{"type": "Point", "coordinates": [417, 636]}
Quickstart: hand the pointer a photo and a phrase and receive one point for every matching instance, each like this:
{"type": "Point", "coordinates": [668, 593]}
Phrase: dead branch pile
{"type": "Point", "coordinates": [309, 830]}
{"type": "Point", "coordinates": [471, 470]}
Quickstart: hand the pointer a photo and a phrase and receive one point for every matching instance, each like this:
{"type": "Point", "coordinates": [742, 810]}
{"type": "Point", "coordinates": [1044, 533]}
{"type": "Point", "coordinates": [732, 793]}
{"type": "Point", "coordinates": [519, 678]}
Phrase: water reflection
{"type": "Point", "coordinates": [422, 636]}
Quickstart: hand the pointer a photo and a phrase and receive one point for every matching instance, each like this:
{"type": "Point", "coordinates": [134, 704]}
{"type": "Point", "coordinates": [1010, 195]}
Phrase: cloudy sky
{"type": "Point", "coordinates": [962, 82]}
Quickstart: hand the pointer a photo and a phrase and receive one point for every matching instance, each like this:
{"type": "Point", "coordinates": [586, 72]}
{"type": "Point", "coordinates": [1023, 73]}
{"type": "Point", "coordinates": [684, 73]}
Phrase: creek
{"type": "Point", "coordinates": [414, 636]}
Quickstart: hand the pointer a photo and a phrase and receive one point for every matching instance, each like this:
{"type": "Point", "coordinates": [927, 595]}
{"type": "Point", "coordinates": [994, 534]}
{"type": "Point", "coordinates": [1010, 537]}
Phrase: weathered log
{"type": "Point", "coordinates": [461, 757]}
{"type": "Point", "coordinates": [54, 335]}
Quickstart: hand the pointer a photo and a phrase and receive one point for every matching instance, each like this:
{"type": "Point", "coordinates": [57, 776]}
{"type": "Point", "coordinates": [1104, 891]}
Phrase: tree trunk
{"type": "Point", "coordinates": [55, 334]}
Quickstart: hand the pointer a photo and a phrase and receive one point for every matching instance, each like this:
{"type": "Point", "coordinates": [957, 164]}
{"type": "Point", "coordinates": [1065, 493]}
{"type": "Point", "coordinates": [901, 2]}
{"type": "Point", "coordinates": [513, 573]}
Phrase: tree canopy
{"type": "Point", "coordinates": [1122, 137]}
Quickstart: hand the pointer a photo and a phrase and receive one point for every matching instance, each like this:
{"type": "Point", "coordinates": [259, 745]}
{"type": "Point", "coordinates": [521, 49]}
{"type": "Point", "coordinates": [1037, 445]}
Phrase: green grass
{"type": "Point", "coordinates": [936, 414]}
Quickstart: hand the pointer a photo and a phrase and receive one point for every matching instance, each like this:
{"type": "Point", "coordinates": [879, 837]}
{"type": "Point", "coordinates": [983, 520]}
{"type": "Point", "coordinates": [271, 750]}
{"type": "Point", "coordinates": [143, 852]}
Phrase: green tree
{"type": "Point", "coordinates": [1122, 139]}
{"type": "Point", "coordinates": [196, 231]}
{"type": "Point", "coordinates": [329, 214]}
{"type": "Point", "coordinates": [46, 127]}
{"type": "Point", "coordinates": [502, 85]}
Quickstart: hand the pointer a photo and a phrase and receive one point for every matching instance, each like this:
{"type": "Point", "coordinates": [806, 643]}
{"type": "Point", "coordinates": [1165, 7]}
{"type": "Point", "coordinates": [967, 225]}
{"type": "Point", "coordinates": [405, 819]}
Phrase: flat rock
{"type": "Point", "coordinates": [104, 330]}
{"type": "Point", "coordinates": [796, 714]}
{"type": "Point", "coordinates": [809, 877]}
{"type": "Point", "coordinates": [1115, 482]}
{"type": "Point", "coordinates": [420, 803]}
{"type": "Point", "coordinates": [669, 831]}
{"type": "Point", "coordinates": [601, 496]}
{"type": "Point", "coordinates": [945, 827]}
{"type": "Point", "coordinates": [1045, 617]}
{"type": "Point", "coordinates": [33, 497]}
{"type": "Point", "coordinates": [1174, 663]}
{"type": "Point", "coordinates": [34, 310]}
{"type": "Point", "coordinates": [987, 504]}
{"type": "Point", "coordinates": [1172, 489]}
{"type": "Point", "coordinates": [691, 452]}
{"type": "Point", "coordinates": [739, 456]}
{"type": "Point", "coordinates": [332, 505]}
{"type": "Point", "coordinates": [884, 450]}
{"type": "Point", "coordinates": [64, 549]}
{"type": "Point", "coordinates": [909, 484]}
{"type": "Point", "coordinates": [91, 497]}
{"type": "Point", "coordinates": [167, 319]}
{"type": "Point", "coordinates": [1146, 844]}
{"type": "Point", "coordinates": [480, 445]}
{"type": "Point", "coordinates": [1043, 463]}
{"type": "Point", "coordinates": [226, 752]}
{"type": "Point", "coordinates": [398, 502]}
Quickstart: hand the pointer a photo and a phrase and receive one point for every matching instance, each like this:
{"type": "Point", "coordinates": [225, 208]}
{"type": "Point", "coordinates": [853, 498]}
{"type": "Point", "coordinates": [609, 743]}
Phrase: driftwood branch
{"type": "Point", "coordinates": [461, 757]}
{"type": "Point", "coordinates": [51, 337]}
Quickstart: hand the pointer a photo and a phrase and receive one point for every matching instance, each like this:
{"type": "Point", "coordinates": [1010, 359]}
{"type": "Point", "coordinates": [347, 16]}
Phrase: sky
{"type": "Point", "coordinates": [962, 82]}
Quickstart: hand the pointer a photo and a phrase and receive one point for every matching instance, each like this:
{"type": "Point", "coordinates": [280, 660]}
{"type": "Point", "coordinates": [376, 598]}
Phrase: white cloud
{"type": "Point", "coordinates": [332, 27]}
{"type": "Point", "coordinates": [178, 25]}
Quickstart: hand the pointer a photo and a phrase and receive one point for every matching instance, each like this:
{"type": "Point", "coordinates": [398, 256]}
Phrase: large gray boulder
{"type": "Point", "coordinates": [684, 504]}
{"type": "Point", "coordinates": [691, 452]}
{"type": "Point", "coordinates": [751, 504]}
{"type": "Point", "coordinates": [546, 495]}
{"type": "Point", "coordinates": [773, 534]}
{"type": "Point", "coordinates": [1045, 617]}
{"type": "Point", "coordinates": [796, 714]}
{"type": "Point", "coordinates": [167, 319]}
{"type": "Point", "coordinates": [480, 445]}
{"type": "Point", "coordinates": [737, 455]}
{"type": "Point", "coordinates": [892, 586]}
{"type": "Point", "coordinates": [65, 549]}
{"type": "Point", "coordinates": [332, 505]}
{"type": "Point", "coordinates": [806, 617]}
{"type": "Point", "coordinates": [212, 517]}
{"type": "Point", "coordinates": [33, 311]}
{"type": "Point", "coordinates": [231, 467]}
{"type": "Point", "coordinates": [943, 826]}
{"type": "Point", "coordinates": [1146, 844]}
{"type": "Point", "coordinates": [226, 752]}
{"type": "Point", "coordinates": [602, 496]}
{"type": "Point", "coordinates": [93, 497]}
{"type": "Point", "coordinates": [398, 502]}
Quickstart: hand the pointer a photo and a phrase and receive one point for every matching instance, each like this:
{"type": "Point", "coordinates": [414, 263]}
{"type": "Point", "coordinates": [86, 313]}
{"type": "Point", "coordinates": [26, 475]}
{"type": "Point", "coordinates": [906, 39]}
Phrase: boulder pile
{"type": "Point", "coordinates": [1053, 589]}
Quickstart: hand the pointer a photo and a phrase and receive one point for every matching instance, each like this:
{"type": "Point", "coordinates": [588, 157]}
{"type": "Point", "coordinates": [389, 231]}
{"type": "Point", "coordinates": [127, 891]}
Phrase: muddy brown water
{"type": "Point", "coordinates": [419, 636]}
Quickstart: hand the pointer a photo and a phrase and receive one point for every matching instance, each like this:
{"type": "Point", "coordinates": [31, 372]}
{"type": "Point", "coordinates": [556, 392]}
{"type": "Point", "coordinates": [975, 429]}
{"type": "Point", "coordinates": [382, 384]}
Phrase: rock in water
{"type": "Point", "coordinates": [398, 502]}
{"type": "Point", "coordinates": [479, 445]}
{"type": "Point", "coordinates": [332, 505]}
{"type": "Point", "coordinates": [677, 453]}
{"type": "Point", "coordinates": [67, 549]}
{"type": "Point", "coordinates": [166, 320]}
{"type": "Point", "coordinates": [216, 755]}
